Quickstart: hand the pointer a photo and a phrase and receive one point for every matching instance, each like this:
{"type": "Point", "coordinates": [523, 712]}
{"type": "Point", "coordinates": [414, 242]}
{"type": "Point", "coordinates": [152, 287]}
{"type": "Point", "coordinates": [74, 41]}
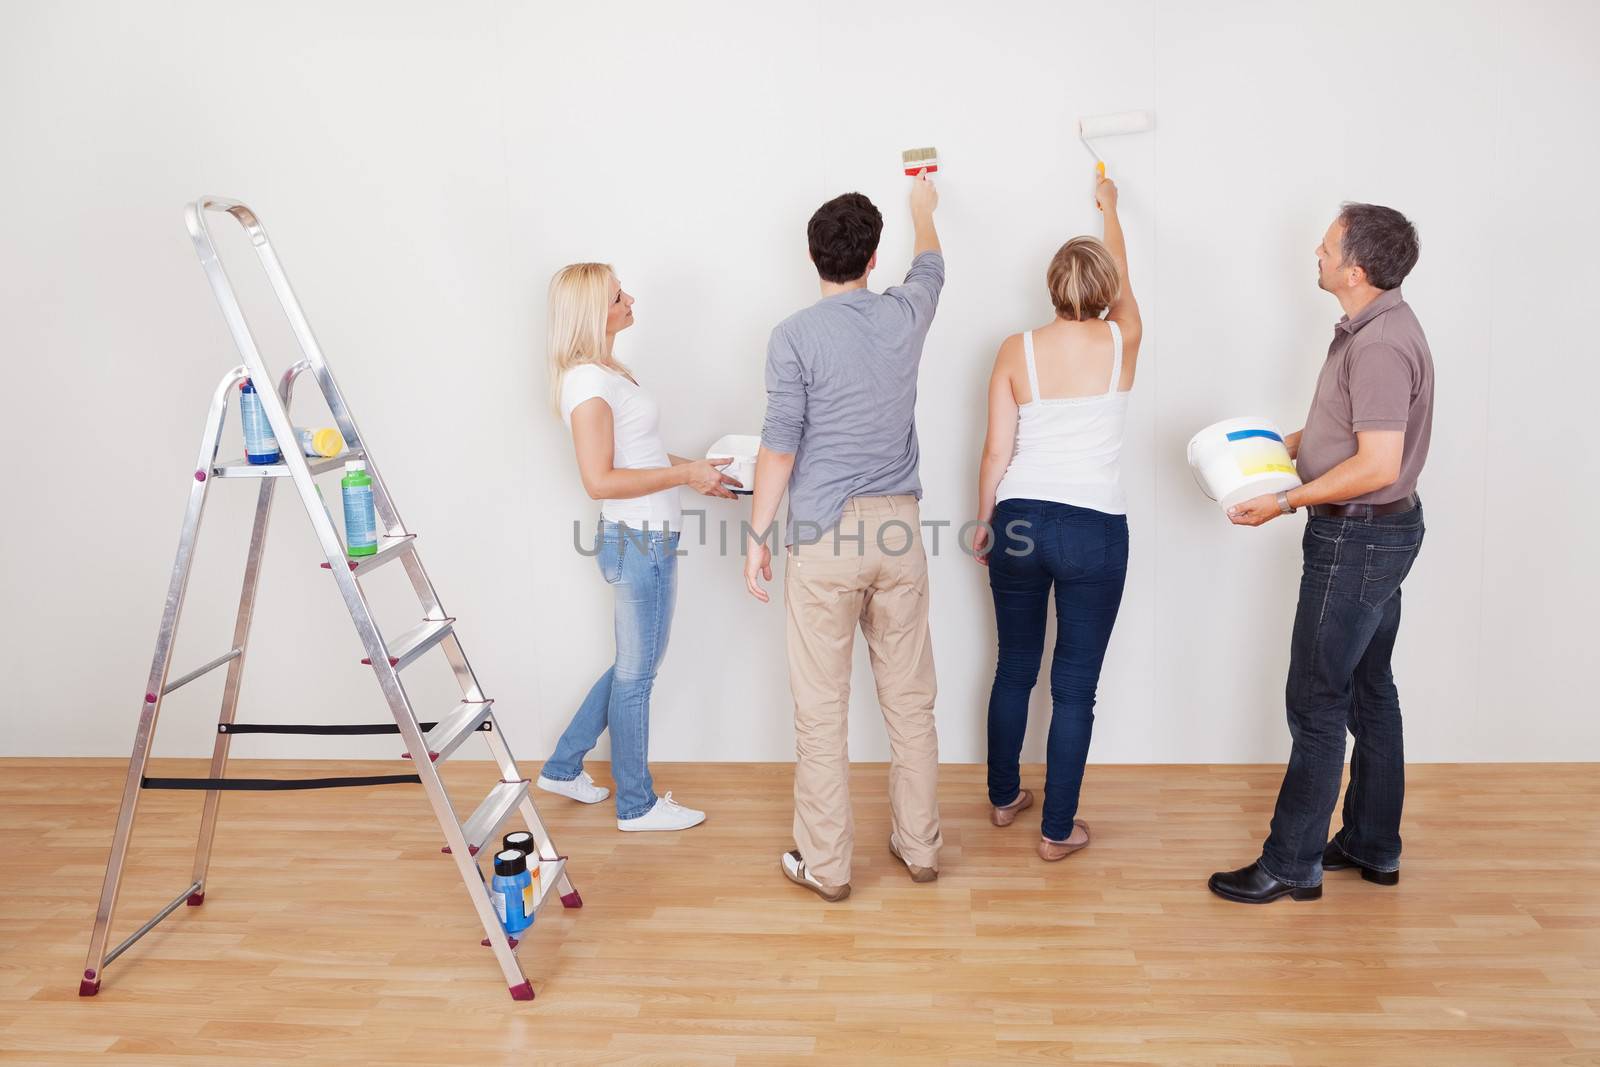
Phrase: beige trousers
{"type": "Point", "coordinates": [881, 583]}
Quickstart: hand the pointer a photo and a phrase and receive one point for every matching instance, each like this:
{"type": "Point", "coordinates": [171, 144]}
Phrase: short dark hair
{"type": "Point", "coordinates": [1380, 241]}
{"type": "Point", "coordinates": [843, 235]}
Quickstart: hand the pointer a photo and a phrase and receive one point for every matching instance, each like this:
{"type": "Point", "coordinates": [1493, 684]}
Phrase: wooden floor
{"type": "Point", "coordinates": [334, 932]}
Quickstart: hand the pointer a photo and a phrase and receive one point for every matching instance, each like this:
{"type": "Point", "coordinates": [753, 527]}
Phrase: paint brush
{"type": "Point", "coordinates": [916, 160]}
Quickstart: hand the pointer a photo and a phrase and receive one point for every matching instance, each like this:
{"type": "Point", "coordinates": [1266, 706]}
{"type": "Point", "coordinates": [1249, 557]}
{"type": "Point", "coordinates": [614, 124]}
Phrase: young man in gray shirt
{"type": "Point", "coordinates": [1360, 455]}
{"type": "Point", "coordinates": [841, 434]}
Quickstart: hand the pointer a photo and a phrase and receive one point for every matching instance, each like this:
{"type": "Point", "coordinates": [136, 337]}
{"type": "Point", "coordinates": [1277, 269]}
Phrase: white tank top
{"type": "Point", "coordinates": [1069, 450]}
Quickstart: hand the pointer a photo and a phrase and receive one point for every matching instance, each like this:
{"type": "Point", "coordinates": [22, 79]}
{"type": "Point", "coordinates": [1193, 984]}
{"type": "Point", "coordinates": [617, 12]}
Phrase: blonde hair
{"type": "Point", "coordinates": [1083, 279]}
{"type": "Point", "coordinates": [575, 330]}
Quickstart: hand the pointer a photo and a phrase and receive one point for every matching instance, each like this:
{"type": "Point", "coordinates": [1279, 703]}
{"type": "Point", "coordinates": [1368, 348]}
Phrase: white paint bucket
{"type": "Point", "coordinates": [743, 449]}
{"type": "Point", "coordinates": [1237, 459]}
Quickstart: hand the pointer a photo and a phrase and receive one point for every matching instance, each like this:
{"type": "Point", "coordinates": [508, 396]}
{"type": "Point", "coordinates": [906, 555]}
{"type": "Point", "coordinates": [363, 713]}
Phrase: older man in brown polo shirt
{"type": "Point", "coordinates": [1360, 455]}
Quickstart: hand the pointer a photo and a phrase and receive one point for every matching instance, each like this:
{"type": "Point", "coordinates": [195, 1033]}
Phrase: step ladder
{"type": "Point", "coordinates": [387, 657]}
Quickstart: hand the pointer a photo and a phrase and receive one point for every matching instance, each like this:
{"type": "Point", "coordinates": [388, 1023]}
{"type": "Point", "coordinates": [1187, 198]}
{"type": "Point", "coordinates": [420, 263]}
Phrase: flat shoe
{"type": "Point", "coordinates": [1006, 815]}
{"type": "Point", "coordinates": [1052, 851]}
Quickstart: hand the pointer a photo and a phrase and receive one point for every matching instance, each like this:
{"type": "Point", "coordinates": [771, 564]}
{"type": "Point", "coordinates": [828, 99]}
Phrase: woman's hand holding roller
{"type": "Point", "coordinates": [1105, 194]}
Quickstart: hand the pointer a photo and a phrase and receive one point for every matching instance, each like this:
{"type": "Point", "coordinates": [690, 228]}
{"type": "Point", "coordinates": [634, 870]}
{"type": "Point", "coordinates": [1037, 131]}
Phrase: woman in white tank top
{"type": "Point", "coordinates": [1050, 496]}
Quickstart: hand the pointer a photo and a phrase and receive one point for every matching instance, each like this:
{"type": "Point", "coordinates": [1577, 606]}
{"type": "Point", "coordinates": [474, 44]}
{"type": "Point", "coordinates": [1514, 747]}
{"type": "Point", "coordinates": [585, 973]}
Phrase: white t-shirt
{"type": "Point", "coordinates": [636, 441]}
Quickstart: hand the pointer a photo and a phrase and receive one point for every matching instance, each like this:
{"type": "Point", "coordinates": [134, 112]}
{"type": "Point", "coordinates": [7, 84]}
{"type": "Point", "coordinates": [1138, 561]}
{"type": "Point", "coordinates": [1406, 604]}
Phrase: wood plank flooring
{"type": "Point", "coordinates": [334, 932]}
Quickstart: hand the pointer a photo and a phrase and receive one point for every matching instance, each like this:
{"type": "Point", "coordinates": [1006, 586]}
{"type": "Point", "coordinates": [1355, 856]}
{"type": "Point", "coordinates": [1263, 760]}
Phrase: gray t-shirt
{"type": "Point", "coordinates": [842, 396]}
{"type": "Point", "coordinates": [1378, 376]}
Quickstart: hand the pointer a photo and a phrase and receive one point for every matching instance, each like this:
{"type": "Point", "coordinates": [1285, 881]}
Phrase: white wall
{"type": "Point", "coordinates": [424, 173]}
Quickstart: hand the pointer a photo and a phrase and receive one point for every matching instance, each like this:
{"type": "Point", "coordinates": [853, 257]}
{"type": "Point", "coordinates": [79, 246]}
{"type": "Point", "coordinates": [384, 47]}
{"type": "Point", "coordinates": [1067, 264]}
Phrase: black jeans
{"type": "Point", "coordinates": [1084, 554]}
{"type": "Point", "coordinates": [1339, 678]}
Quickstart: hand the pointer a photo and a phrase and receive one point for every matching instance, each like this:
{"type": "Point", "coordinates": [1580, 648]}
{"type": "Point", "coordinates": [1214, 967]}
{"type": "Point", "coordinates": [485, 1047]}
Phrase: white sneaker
{"type": "Point", "coordinates": [667, 814]}
{"type": "Point", "coordinates": [582, 788]}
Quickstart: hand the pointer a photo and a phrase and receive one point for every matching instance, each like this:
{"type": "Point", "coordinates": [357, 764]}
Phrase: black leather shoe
{"type": "Point", "coordinates": [1335, 858]}
{"type": "Point", "coordinates": [1252, 885]}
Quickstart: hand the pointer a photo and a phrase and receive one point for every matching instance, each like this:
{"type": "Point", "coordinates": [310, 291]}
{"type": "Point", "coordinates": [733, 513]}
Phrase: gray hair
{"type": "Point", "coordinates": [1380, 241]}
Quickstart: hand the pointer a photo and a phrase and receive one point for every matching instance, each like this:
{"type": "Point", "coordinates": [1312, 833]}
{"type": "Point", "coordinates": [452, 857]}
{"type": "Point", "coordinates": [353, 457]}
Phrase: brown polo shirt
{"type": "Point", "coordinates": [1378, 376]}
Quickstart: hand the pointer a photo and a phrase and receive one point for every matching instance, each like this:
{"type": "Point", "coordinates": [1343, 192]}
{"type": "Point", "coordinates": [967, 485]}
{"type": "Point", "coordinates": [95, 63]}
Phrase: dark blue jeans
{"type": "Point", "coordinates": [1084, 554]}
{"type": "Point", "coordinates": [1339, 679]}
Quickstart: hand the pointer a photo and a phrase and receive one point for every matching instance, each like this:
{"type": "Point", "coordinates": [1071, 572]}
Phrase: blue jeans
{"type": "Point", "coordinates": [1084, 554]}
{"type": "Point", "coordinates": [1339, 679]}
{"type": "Point", "coordinates": [642, 569]}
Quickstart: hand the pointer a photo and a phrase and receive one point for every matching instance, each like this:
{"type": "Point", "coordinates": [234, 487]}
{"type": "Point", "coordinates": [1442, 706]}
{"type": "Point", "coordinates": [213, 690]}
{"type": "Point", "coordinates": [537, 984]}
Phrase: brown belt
{"type": "Point", "coordinates": [1363, 511]}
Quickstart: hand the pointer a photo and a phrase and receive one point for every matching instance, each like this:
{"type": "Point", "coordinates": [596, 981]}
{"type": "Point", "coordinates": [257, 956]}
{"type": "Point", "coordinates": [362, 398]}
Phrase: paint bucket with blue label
{"type": "Point", "coordinates": [1237, 459]}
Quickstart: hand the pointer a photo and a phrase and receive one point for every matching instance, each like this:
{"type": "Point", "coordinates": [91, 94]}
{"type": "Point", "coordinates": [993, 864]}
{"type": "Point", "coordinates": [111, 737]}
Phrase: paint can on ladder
{"type": "Point", "coordinates": [1237, 459]}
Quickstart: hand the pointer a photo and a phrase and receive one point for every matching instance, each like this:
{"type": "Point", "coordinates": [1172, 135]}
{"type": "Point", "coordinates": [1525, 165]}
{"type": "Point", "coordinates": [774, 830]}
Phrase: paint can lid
{"type": "Point", "coordinates": [519, 840]}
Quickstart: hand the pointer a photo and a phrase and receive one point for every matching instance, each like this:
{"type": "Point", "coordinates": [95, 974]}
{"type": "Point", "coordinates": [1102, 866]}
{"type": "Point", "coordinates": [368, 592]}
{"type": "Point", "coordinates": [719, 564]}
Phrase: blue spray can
{"type": "Point", "coordinates": [260, 446]}
{"type": "Point", "coordinates": [511, 891]}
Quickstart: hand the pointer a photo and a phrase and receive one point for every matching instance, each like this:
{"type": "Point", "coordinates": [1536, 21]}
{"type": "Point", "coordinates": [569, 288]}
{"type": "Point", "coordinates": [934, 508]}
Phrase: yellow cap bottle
{"type": "Point", "coordinates": [323, 443]}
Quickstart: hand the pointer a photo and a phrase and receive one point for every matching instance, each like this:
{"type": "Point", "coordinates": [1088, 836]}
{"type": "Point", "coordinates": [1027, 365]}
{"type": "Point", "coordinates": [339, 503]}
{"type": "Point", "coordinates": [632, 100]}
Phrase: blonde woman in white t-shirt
{"type": "Point", "coordinates": [616, 434]}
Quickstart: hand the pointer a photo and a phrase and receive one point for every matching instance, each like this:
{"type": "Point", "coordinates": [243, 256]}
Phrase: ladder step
{"type": "Point", "coordinates": [405, 649]}
{"type": "Point", "coordinates": [463, 720]}
{"type": "Point", "coordinates": [388, 548]}
{"type": "Point", "coordinates": [481, 824]}
{"type": "Point", "coordinates": [243, 468]}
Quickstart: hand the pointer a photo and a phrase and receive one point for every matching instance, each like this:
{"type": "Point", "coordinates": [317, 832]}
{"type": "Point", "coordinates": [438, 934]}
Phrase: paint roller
{"type": "Point", "coordinates": [1094, 127]}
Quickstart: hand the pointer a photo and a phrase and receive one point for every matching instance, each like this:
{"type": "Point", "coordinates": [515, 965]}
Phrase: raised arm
{"type": "Point", "coordinates": [924, 199]}
{"type": "Point", "coordinates": [1125, 312]}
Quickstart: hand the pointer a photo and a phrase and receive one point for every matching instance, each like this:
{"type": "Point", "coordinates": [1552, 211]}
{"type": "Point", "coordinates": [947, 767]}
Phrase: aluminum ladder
{"type": "Point", "coordinates": [387, 657]}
